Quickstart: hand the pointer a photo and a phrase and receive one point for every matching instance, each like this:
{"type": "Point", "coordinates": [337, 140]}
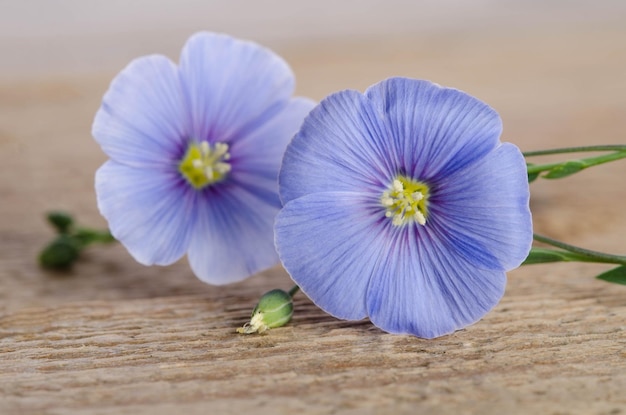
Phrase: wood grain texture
{"type": "Point", "coordinates": [113, 337]}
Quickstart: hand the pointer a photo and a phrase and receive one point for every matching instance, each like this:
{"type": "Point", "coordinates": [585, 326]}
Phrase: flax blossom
{"type": "Point", "coordinates": [402, 205]}
{"type": "Point", "coordinates": [194, 152]}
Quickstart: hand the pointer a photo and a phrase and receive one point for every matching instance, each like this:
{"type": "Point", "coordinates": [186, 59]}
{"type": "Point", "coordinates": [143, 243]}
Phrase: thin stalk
{"type": "Point", "coordinates": [583, 255]}
{"type": "Point", "coordinates": [585, 149]}
{"type": "Point", "coordinates": [293, 290]}
{"type": "Point", "coordinates": [587, 162]}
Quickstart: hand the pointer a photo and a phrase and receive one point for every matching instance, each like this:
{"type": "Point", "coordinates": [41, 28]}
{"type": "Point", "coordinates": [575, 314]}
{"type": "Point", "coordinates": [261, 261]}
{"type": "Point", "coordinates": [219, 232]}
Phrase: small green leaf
{"type": "Point", "coordinates": [60, 253]}
{"type": "Point", "coordinates": [61, 221]}
{"type": "Point", "coordinates": [542, 256]}
{"type": "Point", "coordinates": [616, 275]}
{"type": "Point", "coordinates": [566, 169]}
{"type": "Point", "coordinates": [531, 176]}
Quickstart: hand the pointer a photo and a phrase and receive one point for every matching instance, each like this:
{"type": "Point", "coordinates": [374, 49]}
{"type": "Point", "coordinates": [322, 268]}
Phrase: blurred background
{"type": "Point", "coordinates": [554, 70]}
{"type": "Point", "coordinates": [46, 37]}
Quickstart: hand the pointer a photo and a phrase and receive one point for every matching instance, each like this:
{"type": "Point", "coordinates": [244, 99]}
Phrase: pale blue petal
{"type": "Point", "coordinates": [425, 290]}
{"type": "Point", "coordinates": [483, 210]}
{"type": "Point", "coordinates": [143, 119]}
{"type": "Point", "coordinates": [330, 244]}
{"type": "Point", "coordinates": [232, 86]}
{"type": "Point", "coordinates": [435, 131]}
{"type": "Point", "coordinates": [256, 157]}
{"type": "Point", "coordinates": [233, 238]}
{"type": "Point", "coordinates": [150, 212]}
{"type": "Point", "coordinates": [340, 147]}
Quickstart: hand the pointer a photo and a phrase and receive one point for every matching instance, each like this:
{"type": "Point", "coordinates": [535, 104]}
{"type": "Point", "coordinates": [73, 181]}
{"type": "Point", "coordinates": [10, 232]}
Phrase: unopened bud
{"type": "Point", "coordinates": [274, 309]}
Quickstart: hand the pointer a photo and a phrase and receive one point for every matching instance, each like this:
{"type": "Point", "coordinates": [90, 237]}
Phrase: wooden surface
{"type": "Point", "coordinates": [114, 337]}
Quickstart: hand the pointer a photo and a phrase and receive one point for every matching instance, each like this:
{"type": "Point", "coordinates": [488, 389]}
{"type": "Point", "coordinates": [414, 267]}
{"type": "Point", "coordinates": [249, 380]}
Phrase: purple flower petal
{"type": "Point", "coordinates": [330, 244]}
{"type": "Point", "coordinates": [232, 86]}
{"type": "Point", "coordinates": [233, 237]}
{"type": "Point", "coordinates": [487, 205]}
{"type": "Point", "coordinates": [434, 130]}
{"type": "Point", "coordinates": [340, 146]}
{"type": "Point", "coordinates": [143, 120]}
{"type": "Point", "coordinates": [258, 154]}
{"type": "Point", "coordinates": [421, 289]}
{"type": "Point", "coordinates": [151, 214]}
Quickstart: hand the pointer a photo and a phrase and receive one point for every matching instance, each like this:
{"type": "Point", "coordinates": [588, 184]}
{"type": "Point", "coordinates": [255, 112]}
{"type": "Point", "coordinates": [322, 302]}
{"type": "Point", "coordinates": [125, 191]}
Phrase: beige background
{"type": "Point", "coordinates": [115, 337]}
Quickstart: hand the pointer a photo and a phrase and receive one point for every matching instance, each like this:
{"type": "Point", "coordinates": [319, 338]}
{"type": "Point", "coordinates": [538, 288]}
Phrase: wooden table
{"type": "Point", "coordinates": [114, 337]}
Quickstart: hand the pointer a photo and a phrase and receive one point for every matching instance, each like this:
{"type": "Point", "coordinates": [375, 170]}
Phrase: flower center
{"type": "Point", "coordinates": [205, 164]}
{"type": "Point", "coordinates": [406, 201]}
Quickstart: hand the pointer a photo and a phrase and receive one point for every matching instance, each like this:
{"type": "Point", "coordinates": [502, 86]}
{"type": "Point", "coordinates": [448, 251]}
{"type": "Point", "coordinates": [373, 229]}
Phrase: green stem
{"type": "Point", "coordinates": [546, 255]}
{"type": "Point", "coordinates": [585, 149]}
{"type": "Point", "coordinates": [88, 236]}
{"type": "Point", "coordinates": [293, 291]}
{"type": "Point", "coordinates": [575, 253]}
{"type": "Point", "coordinates": [583, 163]}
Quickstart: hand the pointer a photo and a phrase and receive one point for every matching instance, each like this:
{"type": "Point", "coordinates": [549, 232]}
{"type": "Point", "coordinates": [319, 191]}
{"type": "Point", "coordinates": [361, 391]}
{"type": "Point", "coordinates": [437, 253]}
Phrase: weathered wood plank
{"type": "Point", "coordinates": [545, 350]}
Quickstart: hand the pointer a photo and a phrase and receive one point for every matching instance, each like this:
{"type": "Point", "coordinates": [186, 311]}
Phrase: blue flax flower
{"type": "Point", "coordinates": [401, 204]}
{"type": "Point", "coordinates": [194, 152]}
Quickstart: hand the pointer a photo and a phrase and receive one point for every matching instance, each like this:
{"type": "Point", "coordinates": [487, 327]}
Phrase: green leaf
{"type": "Point", "coordinates": [616, 275]}
{"type": "Point", "coordinates": [531, 176]}
{"type": "Point", "coordinates": [60, 253]}
{"type": "Point", "coordinates": [61, 221]}
{"type": "Point", "coordinates": [542, 256]}
{"type": "Point", "coordinates": [566, 169]}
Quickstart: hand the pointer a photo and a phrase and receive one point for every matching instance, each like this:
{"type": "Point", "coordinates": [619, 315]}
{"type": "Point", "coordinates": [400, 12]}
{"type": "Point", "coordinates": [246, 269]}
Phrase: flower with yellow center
{"type": "Point", "coordinates": [195, 150]}
{"type": "Point", "coordinates": [402, 205]}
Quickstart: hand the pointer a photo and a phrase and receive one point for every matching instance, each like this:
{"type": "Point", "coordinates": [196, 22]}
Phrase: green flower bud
{"type": "Point", "coordinates": [274, 309]}
{"type": "Point", "coordinates": [60, 253]}
{"type": "Point", "coordinates": [61, 221]}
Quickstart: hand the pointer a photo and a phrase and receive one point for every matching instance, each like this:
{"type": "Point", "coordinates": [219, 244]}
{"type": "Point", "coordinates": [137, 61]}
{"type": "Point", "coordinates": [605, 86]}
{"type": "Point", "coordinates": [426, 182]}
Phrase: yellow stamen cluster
{"type": "Point", "coordinates": [406, 201]}
{"type": "Point", "coordinates": [205, 164]}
